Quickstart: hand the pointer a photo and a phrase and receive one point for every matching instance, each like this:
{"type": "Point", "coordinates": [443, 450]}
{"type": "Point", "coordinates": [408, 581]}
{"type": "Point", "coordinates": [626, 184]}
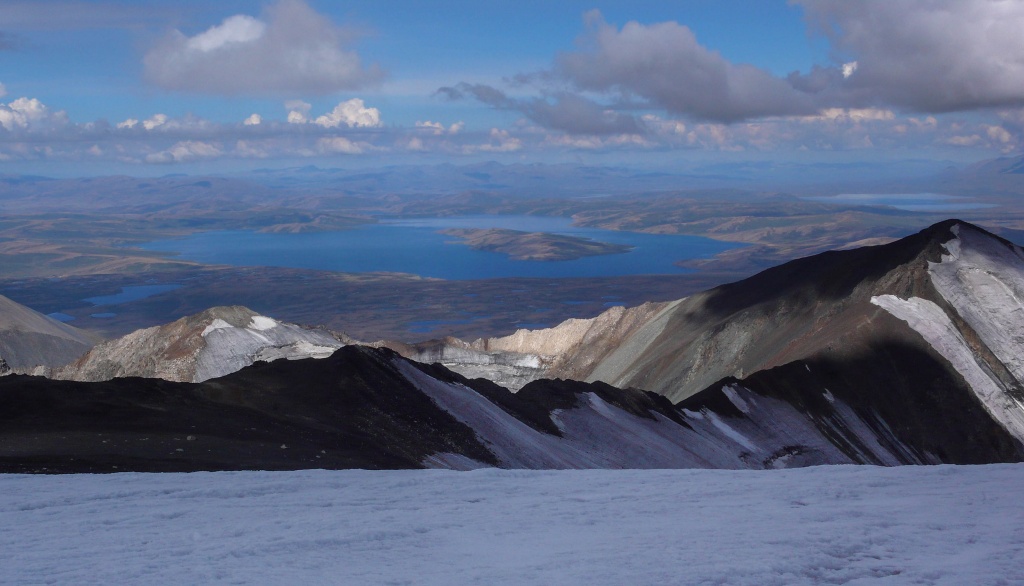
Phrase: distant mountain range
{"type": "Point", "coordinates": [906, 353]}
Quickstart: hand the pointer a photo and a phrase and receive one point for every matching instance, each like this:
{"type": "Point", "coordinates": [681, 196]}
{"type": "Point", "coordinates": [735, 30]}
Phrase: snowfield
{"type": "Point", "coordinates": [824, 525]}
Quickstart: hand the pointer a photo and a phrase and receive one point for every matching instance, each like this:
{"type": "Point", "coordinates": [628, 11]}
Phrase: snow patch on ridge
{"type": "Point", "coordinates": [735, 398]}
{"type": "Point", "coordinates": [983, 279]}
{"type": "Point", "coordinates": [928, 320]}
{"type": "Point", "coordinates": [229, 349]}
{"type": "Point", "coordinates": [262, 322]}
{"type": "Point", "coordinates": [217, 324]}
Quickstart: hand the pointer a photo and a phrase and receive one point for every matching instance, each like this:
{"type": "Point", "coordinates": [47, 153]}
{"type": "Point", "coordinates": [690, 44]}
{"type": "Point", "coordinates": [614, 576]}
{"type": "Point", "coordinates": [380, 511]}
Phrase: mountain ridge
{"type": "Point", "coordinates": [29, 339]}
{"type": "Point", "coordinates": [904, 353]}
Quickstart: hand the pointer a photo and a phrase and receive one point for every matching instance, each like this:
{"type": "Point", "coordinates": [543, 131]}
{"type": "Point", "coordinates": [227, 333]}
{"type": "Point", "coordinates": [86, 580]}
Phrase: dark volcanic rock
{"type": "Point", "coordinates": [352, 410]}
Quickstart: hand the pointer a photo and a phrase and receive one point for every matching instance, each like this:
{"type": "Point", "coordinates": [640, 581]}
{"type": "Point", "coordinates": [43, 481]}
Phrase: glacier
{"type": "Point", "coordinates": [828, 524]}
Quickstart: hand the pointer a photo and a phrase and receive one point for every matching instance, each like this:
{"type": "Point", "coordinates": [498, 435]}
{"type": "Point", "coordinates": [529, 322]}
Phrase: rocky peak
{"type": "Point", "coordinates": [199, 347]}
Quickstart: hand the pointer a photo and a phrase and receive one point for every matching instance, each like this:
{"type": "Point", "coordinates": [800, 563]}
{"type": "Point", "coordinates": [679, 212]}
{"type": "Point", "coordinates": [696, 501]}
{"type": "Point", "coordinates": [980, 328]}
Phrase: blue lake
{"type": "Point", "coordinates": [414, 246]}
{"type": "Point", "coordinates": [131, 293]}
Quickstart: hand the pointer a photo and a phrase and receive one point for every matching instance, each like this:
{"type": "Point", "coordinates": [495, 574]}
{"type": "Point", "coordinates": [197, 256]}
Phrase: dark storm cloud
{"type": "Point", "coordinates": [925, 55]}
{"type": "Point", "coordinates": [664, 64]}
{"type": "Point", "coordinates": [917, 56]}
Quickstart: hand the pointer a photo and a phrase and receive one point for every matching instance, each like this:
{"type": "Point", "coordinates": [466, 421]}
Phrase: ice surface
{"type": "Point", "coordinates": [217, 324]}
{"type": "Point", "coordinates": [823, 525]}
{"type": "Point", "coordinates": [262, 322]}
{"type": "Point", "coordinates": [229, 349]}
{"type": "Point", "coordinates": [983, 279]}
{"type": "Point", "coordinates": [928, 319]}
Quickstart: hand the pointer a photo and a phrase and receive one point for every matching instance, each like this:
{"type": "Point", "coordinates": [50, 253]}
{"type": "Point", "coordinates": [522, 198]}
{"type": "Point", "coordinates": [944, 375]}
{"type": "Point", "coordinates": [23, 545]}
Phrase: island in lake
{"type": "Point", "coordinates": [543, 246]}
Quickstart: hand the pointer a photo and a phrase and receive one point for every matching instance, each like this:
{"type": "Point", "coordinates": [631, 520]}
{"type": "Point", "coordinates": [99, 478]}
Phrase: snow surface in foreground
{"type": "Point", "coordinates": [839, 524]}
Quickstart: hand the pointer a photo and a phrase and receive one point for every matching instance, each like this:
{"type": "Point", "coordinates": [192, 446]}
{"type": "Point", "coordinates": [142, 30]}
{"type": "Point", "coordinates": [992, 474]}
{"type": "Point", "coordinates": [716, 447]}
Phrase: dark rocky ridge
{"type": "Point", "coordinates": [360, 409]}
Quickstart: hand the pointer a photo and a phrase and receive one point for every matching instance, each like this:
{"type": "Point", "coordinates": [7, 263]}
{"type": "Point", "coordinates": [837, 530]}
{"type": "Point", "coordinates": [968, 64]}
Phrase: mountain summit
{"type": "Point", "coordinates": [215, 342]}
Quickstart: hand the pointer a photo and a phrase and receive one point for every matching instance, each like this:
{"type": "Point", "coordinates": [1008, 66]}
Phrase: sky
{"type": "Point", "coordinates": [160, 86]}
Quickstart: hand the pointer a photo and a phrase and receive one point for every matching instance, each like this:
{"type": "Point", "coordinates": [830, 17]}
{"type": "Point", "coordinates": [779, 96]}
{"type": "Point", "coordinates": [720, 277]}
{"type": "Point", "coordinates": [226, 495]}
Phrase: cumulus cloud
{"type": "Point", "coordinates": [925, 55]}
{"type": "Point", "coordinates": [438, 129]}
{"type": "Point", "coordinates": [290, 49]}
{"type": "Point", "coordinates": [501, 141]}
{"type": "Point", "coordinates": [352, 113]}
{"type": "Point", "coordinates": [186, 150]}
{"type": "Point", "coordinates": [253, 120]}
{"type": "Point", "coordinates": [298, 111]}
{"type": "Point", "coordinates": [339, 144]}
{"type": "Point", "coordinates": [664, 64]}
{"type": "Point", "coordinates": [911, 56]}
{"type": "Point", "coordinates": [156, 121]}
{"type": "Point", "coordinates": [29, 113]}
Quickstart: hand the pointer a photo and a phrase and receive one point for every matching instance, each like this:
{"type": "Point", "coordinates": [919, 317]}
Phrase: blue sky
{"type": "Point", "coordinates": [160, 86]}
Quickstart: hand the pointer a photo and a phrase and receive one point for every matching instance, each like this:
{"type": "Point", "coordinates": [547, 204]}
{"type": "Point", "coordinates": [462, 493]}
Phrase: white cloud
{"type": "Point", "coordinates": [438, 129]}
{"type": "Point", "coordinates": [27, 113]}
{"type": "Point", "coordinates": [129, 123]}
{"type": "Point", "coordinates": [844, 115]}
{"type": "Point", "coordinates": [849, 68]}
{"type": "Point", "coordinates": [156, 121]}
{"type": "Point", "coordinates": [964, 140]}
{"type": "Point", "coordinates": [597, 142]}
{"type": "Point", "coordinates": [298, 111]}
{"type": "Point", "coordinates": [352, 113]}
{"type": "Point", "coordinates": [338, 144]}
{"type": "Point", "coordinates": [415, 144]}
{"type": "Point", "coordinates": [500, 142]}
{"type": "Point", "coordinates": [998, 134]}
{"type": "Point", "coordinates": [236, 29]}
{"type": "Point", "coordinates": [253, 120]}
{"type": "Point", "coordinates": [291, 48]}
{"type": "Point", "coordinates": [251, 150]}
{"type": "Point", "coordinates": [661, 126]}
{"type": "Point", "coordinates": [185, 150]}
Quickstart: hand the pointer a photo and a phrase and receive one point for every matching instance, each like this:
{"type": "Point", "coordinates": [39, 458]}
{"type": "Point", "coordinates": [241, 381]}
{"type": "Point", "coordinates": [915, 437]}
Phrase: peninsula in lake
{"type": "Point", "coordinates": [543, 246]}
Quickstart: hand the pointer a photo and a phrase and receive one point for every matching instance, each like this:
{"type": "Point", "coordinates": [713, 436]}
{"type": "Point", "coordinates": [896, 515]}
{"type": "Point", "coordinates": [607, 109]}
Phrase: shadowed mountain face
{"type": "Point", "coordinates": [369, 408]}
{"type": "Point", "coordinates": [825, 306]}
{"type": "Point", "coordinates": [29, 339]}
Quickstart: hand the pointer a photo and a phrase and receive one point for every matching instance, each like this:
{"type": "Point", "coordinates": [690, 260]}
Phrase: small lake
{"type": "Point", "coordinates": [414, 246]}
{"type": "Point", "coordinates": [911, 202]}
{"type": "Point", "coordinates": [131, 293]}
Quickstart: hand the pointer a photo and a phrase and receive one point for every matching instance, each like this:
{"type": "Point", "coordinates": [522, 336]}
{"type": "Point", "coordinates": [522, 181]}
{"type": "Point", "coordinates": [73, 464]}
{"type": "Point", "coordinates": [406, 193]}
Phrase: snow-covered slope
{"type": "Point", "coordinates": [207, 345]}
{"type": "Point", "coordinates": [824, 525]}
{"type": "Point", "coordinates": [29, 339]}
